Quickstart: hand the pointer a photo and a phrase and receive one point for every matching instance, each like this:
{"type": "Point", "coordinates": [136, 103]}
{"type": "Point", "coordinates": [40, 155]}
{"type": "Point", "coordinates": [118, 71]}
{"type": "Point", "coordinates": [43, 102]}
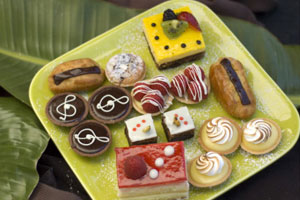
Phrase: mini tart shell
{"type": "Point", "coordinates": [115, 120]}
{"type": "Point", "coordinates": [60, 123]}
{"type": "Point", "coordinates": [71, 133]}
{"type": "Point", "coordinates": [224, 152]}
{"type": "Point", "coordinates": [130, 81]}
{"type": "Point", "coordinates": [204, 185]}
{"type": "Point", "coordinates": [266, 150]}
{"type": "Point", "coordinates": [138, 105]}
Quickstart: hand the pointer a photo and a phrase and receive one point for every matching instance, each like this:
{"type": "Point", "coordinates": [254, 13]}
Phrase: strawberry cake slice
{"type": "Point", "coordinates": [154, 171]}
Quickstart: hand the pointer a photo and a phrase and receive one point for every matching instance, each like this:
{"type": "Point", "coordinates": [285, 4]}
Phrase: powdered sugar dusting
{"type": "Point", "coordinates": [98, 175]}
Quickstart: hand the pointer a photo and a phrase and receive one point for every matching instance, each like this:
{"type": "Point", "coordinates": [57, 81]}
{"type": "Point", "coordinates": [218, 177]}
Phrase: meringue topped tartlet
{"type": "Point", "coordinates": [209, 170]}
{"type": "Point", "coordinates": [260, 136]}
{"type": "Point", "coordinates": [221, 135]}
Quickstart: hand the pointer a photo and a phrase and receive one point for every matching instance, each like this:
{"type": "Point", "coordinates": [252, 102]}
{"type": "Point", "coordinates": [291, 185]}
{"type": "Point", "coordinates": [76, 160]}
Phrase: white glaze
{"type": "Point", "coordinates": [139, 134]}
{"type": "Point", "coordinates": [92, 137]}
{"type": "Point", "coordinates": [178, 81]}
{"type": "Point", "coordinates": [111, 103]}
{"type": "Point", "coordinates": [153, 173]}
{"type": "Point", "coordinates": [69, 98]}
{"type": "Point", "coordinates": [181, 112]}
{"type": "Point", "coordinates": [169, 150]}
{"type": "Point", "coordinates": [141, 89]}
{"type": "Point", "coordinates": [161, 78]}
{"type": "Point", "coordinates": [159, 162]}
{"type": "Point", "coordinates": [154, 102]}
{"type": "Point", "coordinates": [196, 75]}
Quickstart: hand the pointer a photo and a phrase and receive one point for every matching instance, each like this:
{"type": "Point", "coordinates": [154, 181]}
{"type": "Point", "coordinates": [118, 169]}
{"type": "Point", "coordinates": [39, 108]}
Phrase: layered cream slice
{"type": "Point", "coordinates": [186, 47]}
{"type": "Point", "coordinates": [154, 171]}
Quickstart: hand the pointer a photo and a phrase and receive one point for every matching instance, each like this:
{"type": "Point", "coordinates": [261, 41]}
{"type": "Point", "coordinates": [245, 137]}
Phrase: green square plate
{"type": "Point", "coordinates": [98, 175]}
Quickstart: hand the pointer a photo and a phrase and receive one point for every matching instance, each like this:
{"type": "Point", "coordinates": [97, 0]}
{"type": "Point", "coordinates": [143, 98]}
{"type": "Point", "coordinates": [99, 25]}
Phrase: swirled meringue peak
{"type": "Point", "coordinates": [219, 130]}
{"type": "Point", "coordinates": [257, 131]}
{"type": "Point", "coordinates": [210, 163]}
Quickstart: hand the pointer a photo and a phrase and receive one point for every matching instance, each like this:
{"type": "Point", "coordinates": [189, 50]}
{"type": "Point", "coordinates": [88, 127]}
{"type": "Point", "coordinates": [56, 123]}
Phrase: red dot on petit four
{"type": "Point", "coordinates": [143, 121]}
{"type": "Point", "coordinates": [185, 122]}
{"type": "Point", "coordinates": [134, 129]}
{"type": "Point", "coordinates": [181, 118]}
{"type": "Point", "coordinates": [138, 125]}
{"type": "Point", "coordinates": [176, 115]}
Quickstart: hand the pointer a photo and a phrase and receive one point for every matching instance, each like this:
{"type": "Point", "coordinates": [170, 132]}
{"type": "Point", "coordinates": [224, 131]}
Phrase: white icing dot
{"type": "Point", "coordinates": [153, 173]}
{"type": "Point", "coordinates": [159, 162]}
{"type": "Point", "coordinates": [169, 150]}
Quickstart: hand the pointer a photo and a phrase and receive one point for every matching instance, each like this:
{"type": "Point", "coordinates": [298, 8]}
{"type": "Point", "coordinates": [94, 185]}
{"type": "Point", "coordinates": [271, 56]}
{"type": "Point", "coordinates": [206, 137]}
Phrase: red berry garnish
{"type": "Point", "coordinates": [135, 167]}
{"type": "Point", "coordinates": [138, 125]}
{"type": "Point", "coordinates": [194, 73]}
{"type": "Point", "coordinates": [160, 83]}
{"type": "Point", "coordinates": [140, 90]}
{"type": "Point", "coordinates": [179, 85]}
{"type": "Point", "coordinates": [196, 91]}
{"type": "Point", "coordinates": [181, 118]}
{"type": "Point", "coordinates": [186, 16]}
{"type": "Point", "coordinates": [134, 129]}
{"type": "Point", "coordinates": [143, 121]}
{"type": "Point", "coordinates": [153, 102]}
{"type": "Point", "coordinates": [185, 123]}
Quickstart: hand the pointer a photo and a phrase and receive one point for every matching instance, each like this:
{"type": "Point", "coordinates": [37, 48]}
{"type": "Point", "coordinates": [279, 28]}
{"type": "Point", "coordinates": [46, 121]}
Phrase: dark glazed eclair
{"type": "Point", "coordinates": [76, 75]}
{"type": "Point", "coordinates": [229, 83]}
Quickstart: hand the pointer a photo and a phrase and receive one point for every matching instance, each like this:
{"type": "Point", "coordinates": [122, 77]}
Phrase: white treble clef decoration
{"type": "Point", "coordinates": [66, 106]}
{"type": "Point", "coordinates": [91, 137]}
{"type": "Point", "coordinates": [111, 103]}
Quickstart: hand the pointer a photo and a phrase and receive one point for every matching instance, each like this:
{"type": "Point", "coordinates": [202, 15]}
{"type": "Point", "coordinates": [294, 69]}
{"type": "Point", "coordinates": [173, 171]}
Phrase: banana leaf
{"type": "Point", "coordinates": [45, 29]}
{"type": "Point", "coordinates": [34, 32]}
{"type": "Point", "coordinates": [22, 142]}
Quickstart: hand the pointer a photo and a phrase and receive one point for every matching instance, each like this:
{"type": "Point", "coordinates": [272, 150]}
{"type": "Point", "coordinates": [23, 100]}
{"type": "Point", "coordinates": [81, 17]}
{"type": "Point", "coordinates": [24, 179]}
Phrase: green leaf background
{"type": "Point", "coordinates": [22, 141]}
{"type": "Point", "coordinates": [34, 32]}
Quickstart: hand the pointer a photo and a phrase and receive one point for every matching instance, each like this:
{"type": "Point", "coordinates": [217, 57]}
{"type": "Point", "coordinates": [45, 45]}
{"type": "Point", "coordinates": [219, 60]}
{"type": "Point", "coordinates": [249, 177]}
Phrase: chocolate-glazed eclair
{"type": "Point", "coordinates": [76, 75]}
{"type": "Point", "coordinates": [230, 85]}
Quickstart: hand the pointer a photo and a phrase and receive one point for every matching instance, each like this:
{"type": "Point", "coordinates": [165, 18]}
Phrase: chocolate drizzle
{"type": "Point", "coordinates": [58, 78]}
{"type": "Point", "coordinates": [236, 81]}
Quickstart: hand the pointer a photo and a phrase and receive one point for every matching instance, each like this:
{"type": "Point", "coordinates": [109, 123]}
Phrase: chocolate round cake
{"type": "Point", "coordinates": [67, 109]}
{"type": "Point", "coordinates": [90, 138]}
{"type": "Point", "coordinates": [110, 104]}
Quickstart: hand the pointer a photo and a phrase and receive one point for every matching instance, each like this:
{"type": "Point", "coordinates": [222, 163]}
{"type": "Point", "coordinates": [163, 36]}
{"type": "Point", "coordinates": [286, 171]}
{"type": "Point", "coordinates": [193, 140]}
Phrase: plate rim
{"type": "Point", "coordinates": [120, 26]}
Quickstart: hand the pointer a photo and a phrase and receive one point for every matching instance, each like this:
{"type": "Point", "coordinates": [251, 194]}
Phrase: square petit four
{"type": "Point", "coordinates": [140, 130]}
{"type": "Point", "coordinates": [178, 124]}
{"type": "Point", "coordinates": [174, 37]}
{"type": "Point", "coordinates": [153, 171]}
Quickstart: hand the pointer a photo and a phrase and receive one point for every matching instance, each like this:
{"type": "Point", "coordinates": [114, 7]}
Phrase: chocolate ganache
{"type": "Point", "coordinates": [235, 81]}
{"type": "Point", "coordinates": [67, 109]}
{"type": "Point", "coordinates": [90, 138]}
{"type": "Point", "coordinates": [58, 78]}
{"type": "Point", "coordinates": [110, 104]}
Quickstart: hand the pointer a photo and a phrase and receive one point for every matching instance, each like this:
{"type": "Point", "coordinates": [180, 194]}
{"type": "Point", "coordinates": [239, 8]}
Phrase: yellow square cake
{"type": "Point", "coordinates": [172, 52]}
